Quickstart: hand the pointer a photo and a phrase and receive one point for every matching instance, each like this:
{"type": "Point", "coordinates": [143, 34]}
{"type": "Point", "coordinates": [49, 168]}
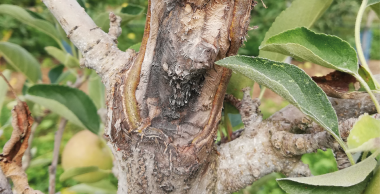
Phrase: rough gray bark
{"type": "Point", "coordinates": [5, 188]}
{"type": "Point", "coordinates": [164, 103]}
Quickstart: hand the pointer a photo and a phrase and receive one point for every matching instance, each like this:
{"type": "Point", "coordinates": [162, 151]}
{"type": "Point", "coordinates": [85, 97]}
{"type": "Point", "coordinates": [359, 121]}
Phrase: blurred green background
{"type": "Point", "coordinates": [338, 20]}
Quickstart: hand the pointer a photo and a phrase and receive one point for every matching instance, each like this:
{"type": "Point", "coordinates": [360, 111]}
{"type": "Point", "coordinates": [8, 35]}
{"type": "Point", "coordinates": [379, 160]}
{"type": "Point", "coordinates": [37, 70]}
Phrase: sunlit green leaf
{"type": "Point", "coordinates": [77, 171]}
{"type": "Point", "coordinates": [350, 180]}
{"type": "Point", "coordinates": [3, 89]}
{"type": "Point", "coordinates": [364, 129]}
{"type": "Point", "coordinates": [375, 6]}
{"type": "Point", "coordinates": [369, 145]}
{"type": "Point", "coordinates": [300, 13]}
{"type": "Point", "coordinates": [328, 51]}
{"type": "Point", "coordinates": [325, 50]}
{"type": "Point", "coordinates": [289, 82]}
{"type": "Point", "coordinates": [101, 187]}
{"type": "Point", "coordinates": [23, 16]}
{"type": "Point", "coordinates": [293, 187]}
{"type": "Point", "coordinates": [235, 85]}
{"type": "Point", "coordinates": [21, 60]}
{"type": "Point", "coordinates": [63, 57]}
{"type": "Point", "coordinates": [96, 90]}
{"type": "Point", "coordinates": [135, 47]}
{"type": "Point", "coordinates": [70, 103]}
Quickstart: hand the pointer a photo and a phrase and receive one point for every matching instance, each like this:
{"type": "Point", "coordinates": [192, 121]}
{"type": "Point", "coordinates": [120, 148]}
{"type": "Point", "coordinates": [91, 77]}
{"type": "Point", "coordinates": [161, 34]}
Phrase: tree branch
{"type": "Point", "coordinates": [57, 145]}
{"type": "Point", "coordinates": [98, 48]}
{"type": "Point", "coordinates": [5, 187]}
{"type": "Point", "coordinates": [274, 145]}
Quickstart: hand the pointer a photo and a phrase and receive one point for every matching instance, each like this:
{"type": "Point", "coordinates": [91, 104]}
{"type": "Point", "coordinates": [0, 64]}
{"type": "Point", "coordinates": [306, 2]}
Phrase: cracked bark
{"type": "Point", "coordinates": [164, 103]}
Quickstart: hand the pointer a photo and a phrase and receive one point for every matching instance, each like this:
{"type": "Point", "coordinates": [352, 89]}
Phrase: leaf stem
{"type": "Point", "coordinates": [357, 34]}
{"type": "Point", "coordinates": [343, 145]}
{"type": "Point", "coordinates": [364, 156]}
{"type": "Point", "coordinates": [262, 91]}
{"type": "Point", "coordinates": [358, 43]}
{"type": "Point", "coordinates": [373, 97]}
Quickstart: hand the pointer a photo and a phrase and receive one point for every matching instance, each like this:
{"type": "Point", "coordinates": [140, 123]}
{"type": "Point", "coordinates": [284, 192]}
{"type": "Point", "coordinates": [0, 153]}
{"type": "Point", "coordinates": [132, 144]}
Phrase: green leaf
{"type": "Point", "coordinates": [70, 103]}
{"type": "Point", "coordinates": [96, 90]}
{"type": "Point", "coordinates": [126, 14]}
{"type": "Point", "coordinates": [21, 60]}
{"type": "Point", "coordinates": [3, 89]}
{"type": "Point", "coordinates": [375, 6]}
{"type": "Point", "coordinates": [349, 180]}
{"type": "Point", "coordinates": [5, 115]}
{"type": "Point", "coordinates": [24, 17]}
{"type": "Point", "coordinates": [41, 161]}
{"type": "Point", "coordinates": [300, 13]}
{"type": "Point", "coordinates": [82, 4]}
{"type": "Point", "coordinates": [328, 51]}
{"type": "Point", "coordinates": [65, 77]}
{"type": "Point", "coordinates": [343, 178]}
{"type": "Point", "coordinates": [325, 50]}
{"type": "Point", "coordinates": [234, 87]}
{"type": "Point", "coordinates": [101, 187]}
{"type": "Point", "coordinates": [55, 73]}
{"type": "Point", "coordinates": [291, 83]}
{"type": "Point", "coordinates": [363, 130]}
{"type": "Point", "coordinates": [62, 56]}
{"type": "Point", "coordinates": [369, 145]}
{"type": "Point", "coordinates": [374, 185]}
{"type": "Point", "coordinates": [4, 86]}
{"type": "Point", "coordinates": [292, 187]}
{"type": "Point", "coordinates": [371, 2]}
{"type": "Point", "coordinates": [367, 78]}
{"type": "Point", "coordinates": [135, 47]}
{"type": "Point", "coordinates": [68, 174]}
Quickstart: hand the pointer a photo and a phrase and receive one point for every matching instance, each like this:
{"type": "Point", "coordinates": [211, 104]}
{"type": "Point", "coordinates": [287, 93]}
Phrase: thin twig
{"type": "Point", "coordinates": [233, 101]}
{"type": "Point", "coordinates": [10, 86]}
{"type": "Point", "coordinates": [264, 4]}
{"type": "Point", "coordinates": [57, 144]}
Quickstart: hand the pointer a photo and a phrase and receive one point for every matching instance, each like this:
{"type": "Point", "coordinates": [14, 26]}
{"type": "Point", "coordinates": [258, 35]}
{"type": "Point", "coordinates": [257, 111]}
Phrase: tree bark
{"type": "Point", "coordinates": [164, 103]}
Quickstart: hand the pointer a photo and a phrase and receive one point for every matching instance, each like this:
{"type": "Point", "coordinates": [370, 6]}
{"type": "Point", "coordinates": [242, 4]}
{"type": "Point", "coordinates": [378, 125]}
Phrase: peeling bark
{"type": "Point", "coordinates": [164, 103]}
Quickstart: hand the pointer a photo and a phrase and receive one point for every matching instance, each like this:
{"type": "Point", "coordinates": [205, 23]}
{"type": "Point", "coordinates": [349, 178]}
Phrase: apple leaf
{"type": "Point", "coordinates": [3, 88]}
{"type": "Point", "coordinates": [350, 180]}
{"type": "Point", "coordinates": [291, 83]}
{"type": "Point", "coordinates": [293, 187]}
{"type": "Point", "coordinates": [96, 90]}
{"type": "Point", "coordinates": [70, 103]}
{"type": "Point", "coordinates": [126, 13]}
{"type": "Point", "coordinates": [103, 186]}
{"type": "Point", "coordinates": [374, 184]}
{"type": "Point", "coordinates": [70, 173]}
{"type": "Point", "coordinates": [375, 6]}
{"type": "Point", "coordinates": [63, 57]}
{"type": "Point", "coordinates": [344, 178]}
{"type": "Point", "coordinates": [300, 13]}
{"type": "Point", "coordinates": [21, 60]}
{"type": "Point", "coordinates": [135, 47]}
{"type": "Point", "coordinates": [23, 16]}
{"type": "Point", "coordinates": [55, 73]}
{"type": "Point", "coordinates": [325, 50]}
{"type": "Point", "coordinates": [369, 145]}
{"type": "Point", "coordinates": [364, 129]}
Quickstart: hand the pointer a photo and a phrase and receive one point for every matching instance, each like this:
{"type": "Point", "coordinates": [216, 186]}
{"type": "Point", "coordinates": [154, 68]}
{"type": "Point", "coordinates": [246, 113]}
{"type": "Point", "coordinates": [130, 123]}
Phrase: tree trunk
{"type": "Point", "coordinates": [164, 103]}
{"type": "Point", "coordinates": [180, 94]}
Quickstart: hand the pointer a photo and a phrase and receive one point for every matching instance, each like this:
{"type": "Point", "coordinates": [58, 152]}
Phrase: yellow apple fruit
{"type": "Point", "coordinates": [87, 149]}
